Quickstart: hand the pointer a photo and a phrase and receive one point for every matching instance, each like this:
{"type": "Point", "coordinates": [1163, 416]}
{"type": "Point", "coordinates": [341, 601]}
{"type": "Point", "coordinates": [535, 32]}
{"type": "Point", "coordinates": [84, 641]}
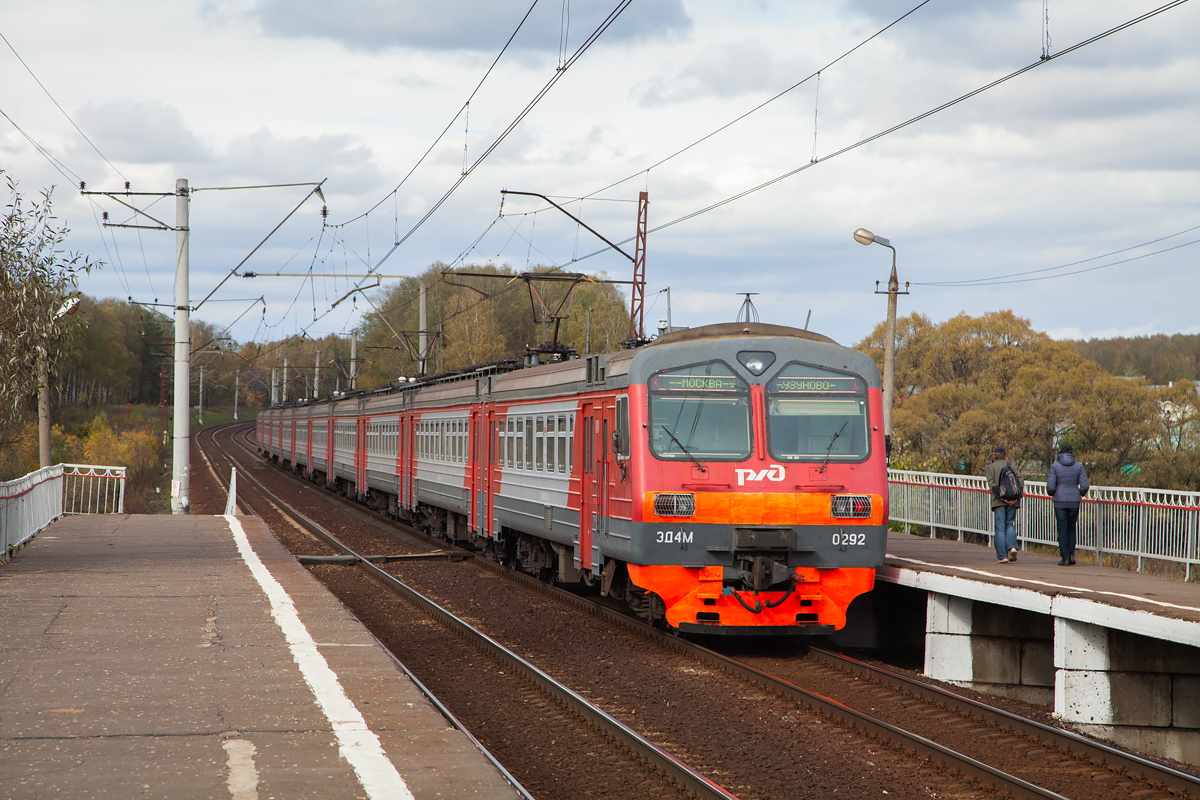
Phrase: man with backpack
{"type": "Point", "coordinates": [1007, 487]}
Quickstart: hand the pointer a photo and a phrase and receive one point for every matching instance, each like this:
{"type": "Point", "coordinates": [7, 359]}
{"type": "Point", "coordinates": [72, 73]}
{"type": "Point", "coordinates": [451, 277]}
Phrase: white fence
{"type": "Point", "coordinates": [31, 503]}
{"type": "Point", "coordinates": [1139, 523]}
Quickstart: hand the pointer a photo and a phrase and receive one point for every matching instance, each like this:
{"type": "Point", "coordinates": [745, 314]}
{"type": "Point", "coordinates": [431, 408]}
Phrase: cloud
{"type": "Point", "coordinates": [727, 69]}
{"type": "Point", "coordinates": [467, 25]}
{"type": "Point", "coordinates": [343, 159]}
{"type": "Point", "coordinates": [142, 132]}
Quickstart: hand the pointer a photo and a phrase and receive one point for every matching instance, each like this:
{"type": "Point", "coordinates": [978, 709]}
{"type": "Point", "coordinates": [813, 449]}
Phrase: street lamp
{"type": "Point", "coordinates": [864, 236]}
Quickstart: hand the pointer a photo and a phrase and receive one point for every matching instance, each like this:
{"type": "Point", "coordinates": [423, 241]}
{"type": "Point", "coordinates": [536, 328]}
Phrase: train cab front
{"type": "Point", "coordinates": [763, 489]}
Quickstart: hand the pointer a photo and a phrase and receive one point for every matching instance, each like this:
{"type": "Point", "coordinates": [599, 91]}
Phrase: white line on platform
{"type": "Point", "coordinates": [358, 744]}
{"type": "Point", "coordinates": [243, 776]}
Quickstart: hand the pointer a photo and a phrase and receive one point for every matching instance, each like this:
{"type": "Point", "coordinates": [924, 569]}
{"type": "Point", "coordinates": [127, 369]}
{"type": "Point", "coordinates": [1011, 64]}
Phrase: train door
{"type": "Point", "coordinates": [330, 449]}
{"type": "Point", "coordinates": [360, 455]}
{"type": "Point", "coordinates": [491, 469]}
{"type": "Point", "coordinates": [402, 460]}
{"type": "Point", "coordinates": [410, 461]}
{"type": "Point", "coordinates": [593, 501]}
{"type": "Point", "coordinates": [475, 468]}
{"type": "Point", "coordinates": [308, 449]}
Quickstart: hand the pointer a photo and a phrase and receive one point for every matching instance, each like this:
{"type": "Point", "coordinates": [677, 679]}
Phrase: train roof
{"type": "Point", "coordinates": [508, 380]}
{"type": "Point", "coordinates": [724, 330]}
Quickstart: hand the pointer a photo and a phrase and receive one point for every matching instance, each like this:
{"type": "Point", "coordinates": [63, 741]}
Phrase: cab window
{"type": "Point", "coordinates": [815, 414]}
{"type": "Point", "coordinates": [701, 412]}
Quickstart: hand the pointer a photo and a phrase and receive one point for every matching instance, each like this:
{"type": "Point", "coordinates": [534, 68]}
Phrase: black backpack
{"type": "Point", "coordinates": [1010, 485]}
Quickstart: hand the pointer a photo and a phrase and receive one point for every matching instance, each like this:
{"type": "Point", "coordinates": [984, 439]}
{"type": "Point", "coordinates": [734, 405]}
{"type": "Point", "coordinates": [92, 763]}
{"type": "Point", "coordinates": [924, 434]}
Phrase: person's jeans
{"type": "Point", "coordinates": [1005, 529]}
{"type": "Point", "coordinates": [1065, 519]}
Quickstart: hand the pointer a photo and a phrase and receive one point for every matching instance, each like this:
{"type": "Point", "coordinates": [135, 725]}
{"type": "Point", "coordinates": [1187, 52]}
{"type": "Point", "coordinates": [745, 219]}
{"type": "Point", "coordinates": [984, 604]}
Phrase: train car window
{"type": "Point", "coordinates": [510, 437]}
{"type": "Point", "coordinates": [520, 443]}
{"type": "Point", "coordinates": [700, 412]}
{"type": "Point", "coordinates": [550, 447]}
{"type": "Point", "coordinates": [562, 444]}
{"type": "Point", "coordinates": [815, 414]}
{"type": "Point", "coordinates": [587, 444]}
{"type": "Point", "coordinates": [529, 443]}
{"type": "Point", "coordinates": [621, 442]}
{"type": "Point", "coordinates": [571, 444]}
{"type": "Point", "coordinates": [539, 444]}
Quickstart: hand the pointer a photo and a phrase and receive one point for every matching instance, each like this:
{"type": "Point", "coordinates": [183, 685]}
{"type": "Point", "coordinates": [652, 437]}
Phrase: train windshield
{"type": "Point", "coordinates": [817, 415]}
{"type": "Point", "coordinates": [700, 412]}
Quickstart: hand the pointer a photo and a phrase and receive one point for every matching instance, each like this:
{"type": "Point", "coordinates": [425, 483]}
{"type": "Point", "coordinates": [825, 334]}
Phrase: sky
{"type": "Point", "coordinates": [1064, 185]}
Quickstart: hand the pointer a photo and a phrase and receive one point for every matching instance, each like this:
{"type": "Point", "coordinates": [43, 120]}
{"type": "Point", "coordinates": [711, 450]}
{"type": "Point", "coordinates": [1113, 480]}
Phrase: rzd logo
{"type": "Point", "coordinates": [771, 473]}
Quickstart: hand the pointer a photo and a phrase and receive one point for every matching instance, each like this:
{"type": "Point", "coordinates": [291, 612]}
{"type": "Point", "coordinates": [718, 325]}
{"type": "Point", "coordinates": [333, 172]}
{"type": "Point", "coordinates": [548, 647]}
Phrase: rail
{"type": "Point", "coordinates": [30, 503]}
{"type": "Point", "coordinates": [1141, 524]}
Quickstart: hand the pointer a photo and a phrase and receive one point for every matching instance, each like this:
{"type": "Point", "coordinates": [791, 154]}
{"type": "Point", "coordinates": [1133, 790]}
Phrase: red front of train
{"type": "Point", "coordinates": [758, 480]}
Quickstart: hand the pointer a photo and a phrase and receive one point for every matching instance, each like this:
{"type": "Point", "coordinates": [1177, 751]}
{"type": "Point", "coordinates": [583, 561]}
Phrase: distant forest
{"type": "Point", "coordinates": [1160, 359]}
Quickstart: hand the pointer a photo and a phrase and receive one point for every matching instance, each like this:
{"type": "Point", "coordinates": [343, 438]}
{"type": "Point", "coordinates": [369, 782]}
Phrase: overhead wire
{"type": "Point", "coordinates": [558, 74]}
{"type": "Point", "coordinates": [1019, 277]}
{"type": "Point", "coordinates": [59, 107]}
{"type": "Point", "coordinates": [765, 103]}
{"type": "Point", "coordinates": [900, 126]}
{"type": "Point", "coordinates": [450, 124]}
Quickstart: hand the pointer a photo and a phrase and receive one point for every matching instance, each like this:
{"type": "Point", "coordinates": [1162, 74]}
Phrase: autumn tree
{"type": "Point", "coordinates": [484, 315]}
{"type": "Point", "coordinates": [36, 278]}
{"type": "Point", "coordinates": [971, 383]}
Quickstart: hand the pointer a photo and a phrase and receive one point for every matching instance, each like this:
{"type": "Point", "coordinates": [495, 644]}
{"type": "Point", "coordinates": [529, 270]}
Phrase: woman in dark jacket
{"type": "Point", "coordinates": [1067, 484]}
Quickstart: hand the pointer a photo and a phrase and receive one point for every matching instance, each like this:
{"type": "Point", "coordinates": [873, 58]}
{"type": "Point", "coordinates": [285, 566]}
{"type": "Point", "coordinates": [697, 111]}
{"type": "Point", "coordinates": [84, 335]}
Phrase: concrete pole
{"type": "Point", "coordinates": [353, 361]}
{"type": "Point", "coordinates": [423, 341]}
{"type": "Point", "coordinates": [43, 398]}
{"type": "Point", "coordinates": [283, 395]}
{"type": "Point", "coordinates": [237, 380]}
{"type": "Point", "coordinates": [889, 354]}
{"type": "Point", "coordinates": [180, 467]}
{"type": "Point", "coordinates": [274, 385]}
{"type": "Point", "coordinates": [200, 407]}
{"type": "Point", "coordinates": [317, 377]}
{"type": "Point", "coordinates": [668, 291]}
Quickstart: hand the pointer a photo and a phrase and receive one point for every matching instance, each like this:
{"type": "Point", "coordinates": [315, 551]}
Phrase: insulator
{"type": "Point", "coordinates": [324, 212]}
{"type": "Point", "coordinates": [104, 216]}
{"type": "Point", "coordinates": [126, 186]}
{"type": "Point", "coordinates": [82, 186]}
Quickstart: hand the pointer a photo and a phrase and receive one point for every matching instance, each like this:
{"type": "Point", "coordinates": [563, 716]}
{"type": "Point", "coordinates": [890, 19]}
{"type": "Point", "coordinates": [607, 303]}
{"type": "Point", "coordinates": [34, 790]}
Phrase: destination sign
{"type": "Point", "coordinates": [816, 385]}
{"type": "Point", "coordinates": [695, 383]}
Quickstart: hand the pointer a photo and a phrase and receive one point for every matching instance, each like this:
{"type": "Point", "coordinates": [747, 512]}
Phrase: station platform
{"type": "Point", "coordinates": [192, 656]}
{"type": "Point", "coordinates": [1116, 654]}
{"type": "Point", "coordinates": [1146, 605]}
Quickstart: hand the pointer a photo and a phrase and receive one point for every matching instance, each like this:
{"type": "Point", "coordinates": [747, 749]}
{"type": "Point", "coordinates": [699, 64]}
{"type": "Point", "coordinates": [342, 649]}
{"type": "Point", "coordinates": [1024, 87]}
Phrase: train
{"type": "Point", "coordinates": [726, 479]}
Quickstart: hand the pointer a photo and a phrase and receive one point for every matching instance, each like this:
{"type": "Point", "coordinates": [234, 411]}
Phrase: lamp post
{"type": "Point", "coordinates": [864, 236]}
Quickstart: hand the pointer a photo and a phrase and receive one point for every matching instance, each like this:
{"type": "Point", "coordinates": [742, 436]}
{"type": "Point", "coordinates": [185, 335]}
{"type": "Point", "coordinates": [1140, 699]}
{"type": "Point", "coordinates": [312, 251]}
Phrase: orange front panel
{"type": "Point", "coordinates": [764, 508]}
{"type": "Point", "coordinates": [692, 594]}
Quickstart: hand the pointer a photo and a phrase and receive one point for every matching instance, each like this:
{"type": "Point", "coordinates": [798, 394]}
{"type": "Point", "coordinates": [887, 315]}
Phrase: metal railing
{"type": "Point", "coordinates": [29, 504]}
{"type": "Point", "coordinates": [1137, 523]}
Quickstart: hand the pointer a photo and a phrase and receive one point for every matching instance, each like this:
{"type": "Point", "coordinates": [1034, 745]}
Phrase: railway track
{"type": "Point", "coordinates": [1079, 767]}
{"type": "Point", "coordinates": [664, 775]}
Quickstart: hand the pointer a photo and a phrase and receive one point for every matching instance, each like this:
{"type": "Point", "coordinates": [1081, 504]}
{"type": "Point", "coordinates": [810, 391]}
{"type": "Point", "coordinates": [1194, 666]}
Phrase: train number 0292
{"type": "Point", "coordinates": [674, 537]}
{"type": "Point", "coordinates": [850, 539]}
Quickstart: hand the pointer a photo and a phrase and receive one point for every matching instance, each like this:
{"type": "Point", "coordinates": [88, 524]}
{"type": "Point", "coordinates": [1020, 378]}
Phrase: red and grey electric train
{"type": "Point", "coordinates": [728, 479]}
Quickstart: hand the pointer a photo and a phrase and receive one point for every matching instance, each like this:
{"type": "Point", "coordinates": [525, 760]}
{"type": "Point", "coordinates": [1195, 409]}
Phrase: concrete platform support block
{"type": "Point", "coordinates": [949, 657]}
{"type": "Point", "coordinates": [948, 654]}
{"type": "Point", "coordinates": [1185, 698]}
{"type": "Point", "coordinates": [1037, 663]}
{"type": "Point", "coordinates": [1090, 690]}
{"type": "Point", "coordinates": [1082, 692]}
